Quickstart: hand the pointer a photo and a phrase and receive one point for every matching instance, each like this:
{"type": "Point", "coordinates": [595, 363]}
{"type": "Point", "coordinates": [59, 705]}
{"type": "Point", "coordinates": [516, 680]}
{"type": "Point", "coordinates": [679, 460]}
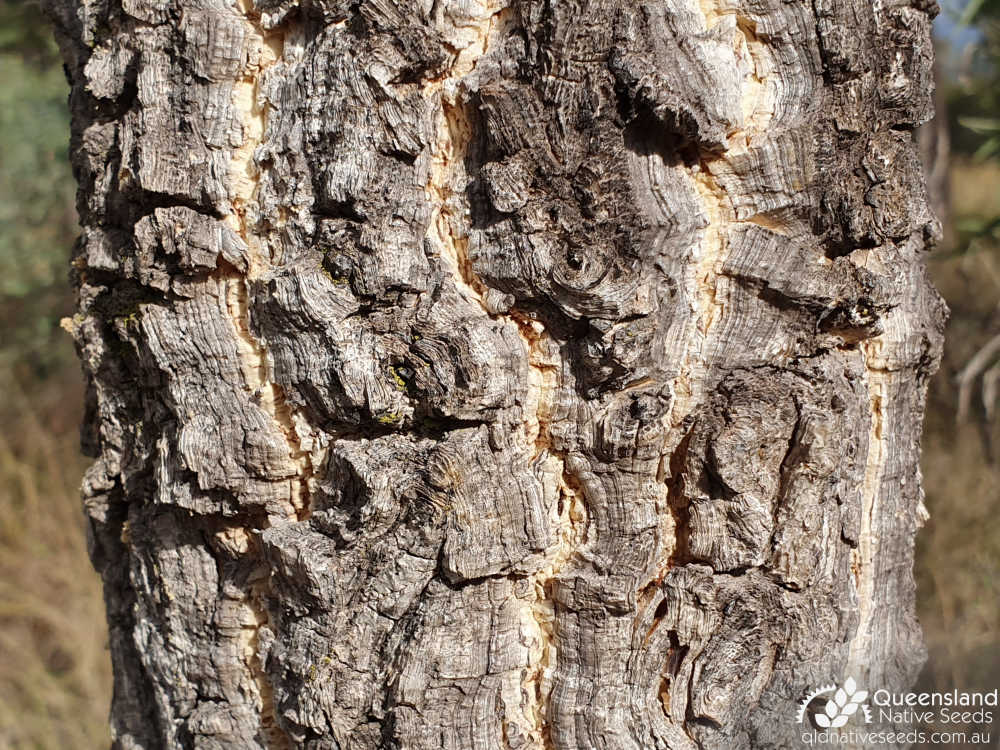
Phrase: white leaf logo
{"type": "Point", "coordinates": [842, 706]}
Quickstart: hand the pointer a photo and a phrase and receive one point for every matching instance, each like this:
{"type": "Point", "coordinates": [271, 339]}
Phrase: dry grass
{"type": "Point", "coordinates": [975, 188]}
{"type": "Point", "coordinates": [958, 551]}
{"type": "Point", "coordinates": [54, 666]}
{"type": "Point", "coordinates": [958, 565]}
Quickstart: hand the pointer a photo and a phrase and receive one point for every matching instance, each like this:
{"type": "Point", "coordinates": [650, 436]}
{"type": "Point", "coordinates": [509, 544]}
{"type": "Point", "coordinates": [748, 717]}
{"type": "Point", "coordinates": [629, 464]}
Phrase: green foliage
{"type": "Point", "coordinates": [36, 188]}
{"type": "Point", "coordinates": [971, 10]}
{"type": "Point", "coordinates": [974, 110]}
{"type": "Point", "coordinates": [987, 126]}
{"type": "Point", "coordinates": [975, 100]}
{"type": "Point", "coordinates": [37, 214]}
{"type": "Point", "coordinates": [23, 33]}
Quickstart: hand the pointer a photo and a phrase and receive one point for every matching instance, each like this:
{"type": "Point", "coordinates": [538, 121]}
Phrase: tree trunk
{"type": "Point", "coordinates": [546, 375]}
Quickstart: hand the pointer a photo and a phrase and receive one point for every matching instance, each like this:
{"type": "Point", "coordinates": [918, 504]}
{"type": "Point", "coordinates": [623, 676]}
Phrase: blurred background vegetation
{"type": "Point", "coordinates": [54, 672]}
{"type": "Point", "coordinates": [958, 551]}
{"type": "Point", "coordinates": [54, 669]}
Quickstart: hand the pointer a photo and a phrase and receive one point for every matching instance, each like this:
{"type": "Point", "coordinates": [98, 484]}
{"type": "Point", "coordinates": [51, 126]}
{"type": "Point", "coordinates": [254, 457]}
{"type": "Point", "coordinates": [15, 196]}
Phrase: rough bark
{"type": "Point", "coordinates": [464, 375]}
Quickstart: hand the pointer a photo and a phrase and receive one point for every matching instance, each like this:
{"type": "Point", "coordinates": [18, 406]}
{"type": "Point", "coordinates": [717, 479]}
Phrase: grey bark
{"type": "Point", "coordinates": [464, 375]}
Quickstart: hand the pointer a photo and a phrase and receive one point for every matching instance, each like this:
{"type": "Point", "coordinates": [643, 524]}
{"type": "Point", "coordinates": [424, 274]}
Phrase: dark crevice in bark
{"type": "Point", "coordinates": [677, 502]}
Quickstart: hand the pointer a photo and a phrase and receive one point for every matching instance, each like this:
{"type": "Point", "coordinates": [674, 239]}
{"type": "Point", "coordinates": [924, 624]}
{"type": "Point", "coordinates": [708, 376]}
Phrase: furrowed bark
{"type": "Point", "coordinates": [500, 374]}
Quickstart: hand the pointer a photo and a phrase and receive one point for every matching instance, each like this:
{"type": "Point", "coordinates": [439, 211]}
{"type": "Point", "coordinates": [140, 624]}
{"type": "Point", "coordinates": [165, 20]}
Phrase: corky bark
{"type": "Point", "coordinates": [480, 375]}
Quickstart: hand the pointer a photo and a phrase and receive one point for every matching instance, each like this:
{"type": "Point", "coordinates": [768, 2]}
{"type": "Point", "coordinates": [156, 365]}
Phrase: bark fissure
{"type": "Point", "coordinates": [571, 534]}
{"type": "Point", "coordinates": [454, 134]}
{"type": "Point", "coordinates": [718, 206]}
{"type": "Point", "coordinates": [244, 184]}
{"type": "Point", "coordinates": [456, 131]}
{"type": "Point", "coordinates": [863, 557]}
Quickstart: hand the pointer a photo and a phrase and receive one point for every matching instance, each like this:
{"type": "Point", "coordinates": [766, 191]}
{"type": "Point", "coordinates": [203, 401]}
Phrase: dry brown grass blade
{"type": "Point", "coordinates": [54, 671]}
{"type": "Point", "coordinates": [967, 377]}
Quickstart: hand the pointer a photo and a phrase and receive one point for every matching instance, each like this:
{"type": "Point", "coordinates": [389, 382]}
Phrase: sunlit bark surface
{"type": "Point", "coordinates": [467, 375]}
